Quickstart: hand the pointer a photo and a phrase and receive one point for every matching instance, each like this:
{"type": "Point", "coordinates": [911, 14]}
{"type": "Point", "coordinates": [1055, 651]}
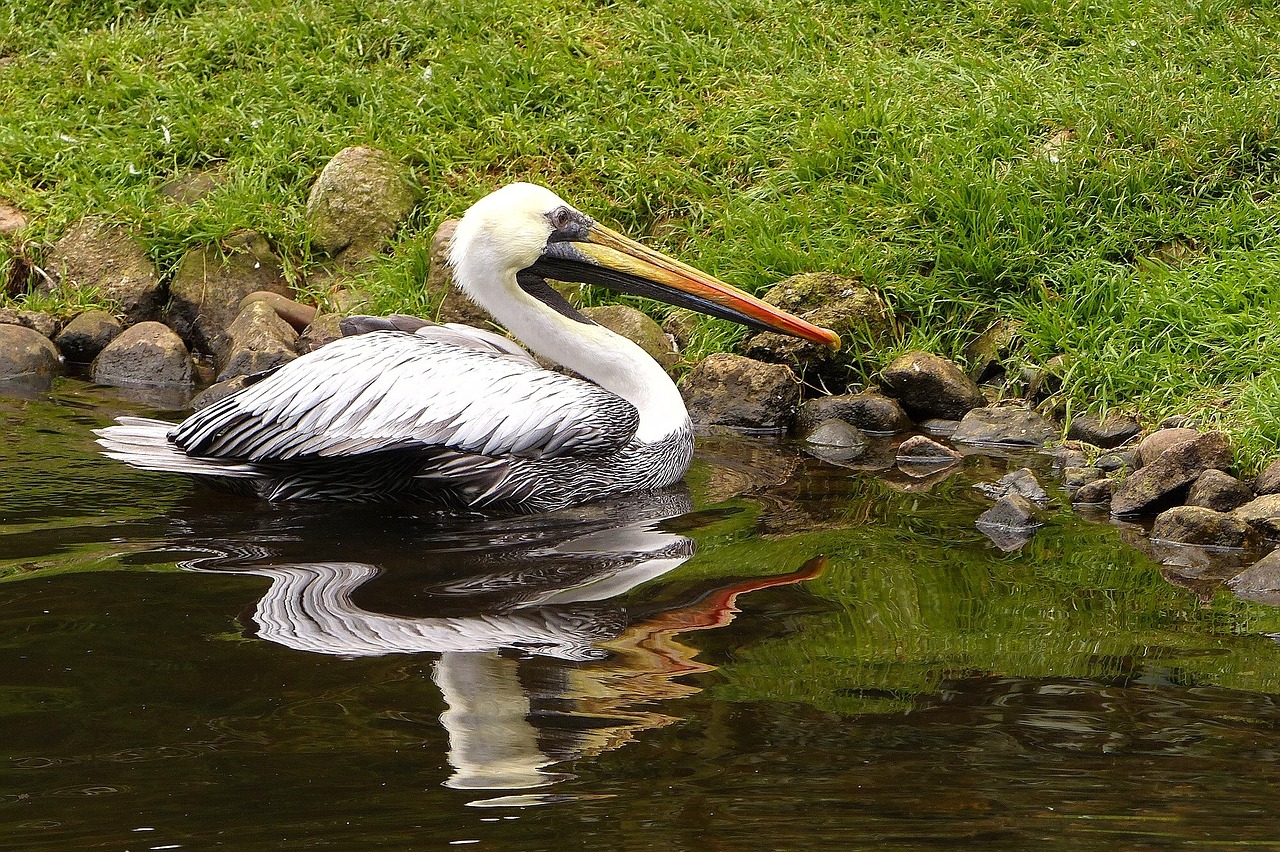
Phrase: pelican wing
{"type": "Point", "coordinates": [395, 390]}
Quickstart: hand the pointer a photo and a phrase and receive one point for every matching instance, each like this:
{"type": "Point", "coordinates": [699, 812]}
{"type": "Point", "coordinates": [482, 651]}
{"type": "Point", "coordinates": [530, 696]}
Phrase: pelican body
{"type": "Point", "coordinates": [462, 417]}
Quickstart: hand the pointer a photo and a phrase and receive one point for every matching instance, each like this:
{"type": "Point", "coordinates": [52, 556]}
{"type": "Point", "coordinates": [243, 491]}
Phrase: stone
{"type": "Point", "coordinates": [12, 219]}
{"type": "Point", "coordinates": [1160, 440]}
{"type": "Point", "coordinates": [1065, 457]}
{"type": "Point", "coordinates": [638, 327]}
{"type": "Point", "coordinates": [322, 331]}
{"type": "Point", "coordinates": [1268, 482]}
{"type": "Point", "coordinates": [260, 340]}
{"type": "Point", "coordinates": [212, 281]}
{"type": "Point", "coordinates": [939, 427]}
{"type": "Point", "coordinates": [730, 390]}
{"type": "Point", "coordinates": [1075, 477]}
{"type": "Point", "coordinates": [1201, 526]}
{"type": "Point", "coordinates": [94, 255]}
{"type": "Point", "coordinates": [1012, 512]}
{"type": "Point", "coordinates": [1107, 432]}
{"type": "Point", "coordinates": [681, 324]}
{"type": "Point", "coordinates": [296, 314]}
{"type": "Point", "coordinates": [46, 324]}
{"type": "Point", "coordinates": [838, 302]}
{"type": "Point", "coordinates": [1260, 582]}
{"type": "Point", "coordinates": [931, 386]}
{"type": "Point", "coordinates": [145, 355]}
{"type": "Point", "coordinates": [359, 200]}
{"type": "Point", "coordinates": [1021, 482]}
{"type": "Point", "coordinates": [1263, 514]}
{"type": "Point", "coordinates": [87, 335]}
{"type": "Point", "coordinates": [1043, 382]}
{"type": "Point", "coordinates": [921, 450]}
{"type": "Point", "coordinates": [869, 411]}
{"type": "Point", "coordinates": [194, 186]}
{"type": "Point", "coordinates": [1095, 493]}
{"type": "Point", "coordinates": [218, 391]}
{"type": "Point", "coordinates": [1219, 491]}
{"type": "Point", "coordinates": [1167, 478]}
{"type": "Point", "coordinates": [986, 353]}
{"type": "Point", "coordinates": [1112, 462]}
{"type": "Point", "coordinates": [1010, 427]}
{"type": "Point", "coordinates": [25, 352]}
{"type": "Point", "coordinates": [453, 305]}
{"type": "Point", "coordinates": [837, 433]}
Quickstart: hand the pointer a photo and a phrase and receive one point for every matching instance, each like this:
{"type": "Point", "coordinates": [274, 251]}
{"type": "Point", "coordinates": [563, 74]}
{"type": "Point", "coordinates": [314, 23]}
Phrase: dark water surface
{"type": "Point", "coordinates": [785, 655]}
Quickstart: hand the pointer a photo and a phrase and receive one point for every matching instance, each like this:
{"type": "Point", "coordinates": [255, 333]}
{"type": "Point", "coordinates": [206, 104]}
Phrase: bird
{"type": "Point", "coordinates": [463, 418]}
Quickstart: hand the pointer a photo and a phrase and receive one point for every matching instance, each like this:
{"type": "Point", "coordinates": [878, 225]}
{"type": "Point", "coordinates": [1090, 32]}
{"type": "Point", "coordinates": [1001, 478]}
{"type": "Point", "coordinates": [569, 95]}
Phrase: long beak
{"type": "Point", "coordinates": [624, 264]}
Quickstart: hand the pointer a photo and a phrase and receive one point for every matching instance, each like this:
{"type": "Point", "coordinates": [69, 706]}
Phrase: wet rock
{"type": "Point", "coordinates": [1201, 526]}
{"type": "Point", "coordinates": [986, 353]}
{"type": "Point", "coordinates": [939, 427]}
{"type": "Point", "coordinates": [221, 390]}
{"type": "Point", "coordinates": [38, 321]}
{"type": "Point", "coordinates": [87, 335]}
{"type": "Point", "coordinates": [359, 200]}
{"type": "Point", "coordinates": [1112, 462]}
{"type": "Point", "coordinates": [1263, 514]}
{"type": "Point", "coordinates": [1012, 512]}
{"type": "Point", "coordinates": [1108, 432]}
{"type": "Point", "coordinates": [1260, 582]}
{"type": "Point", "coordinates": [1075, 477]}
{"type": "Point", "coordinates": [930, 386]}
{"type": "Point", "coordinates": [25, 352]}
{"type": "Point", "coordinates": [296, 314]}
{"type": "Point", "coordinates": [839, 434]}
{"type": "Point", "coordinates": [1167, 478]}
{"type": "Point", "coordinates": [832, 301]}
{"type": "Point", "coordinates": [1021, 482]}
{"type": "Point", "coordinates": [639, 328]}
{"type": "Point", "coordinates": [146, 354]}
{"type": "Point", "coordinates": [1095, 493]}
{"type": "Point", "coordinates": [12, 219]}
{"type": "Point", "coordinates": [1219, 491]}
{"type": "Point", "coordinates": [921, 450]}
{"type": "Point", "coordinates": [213, 280]}
{"type": "Point", "coordinates": [1012, 427]}
{"type": "Point", "coordinates": [870, 412]}
{"type": "Point", "coordinates": [107, 258]}
{"type": "Point", "coordinates": [1159, 441]}
{"type": "Point", "coordinates": [1065, 457]}
{"type": "Point", "coordinates": [1268, 482]}
{"type": "Point", "coordinates": [260, 341]}
{"type": "Point", "coordinates": [323, 330]}
{"type": "Point", "coordinates": [729, 390]}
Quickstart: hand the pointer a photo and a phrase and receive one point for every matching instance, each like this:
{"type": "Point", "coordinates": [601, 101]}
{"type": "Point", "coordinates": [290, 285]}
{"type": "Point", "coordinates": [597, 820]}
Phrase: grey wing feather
{"type": "Point", "coordinates": [390, 389]}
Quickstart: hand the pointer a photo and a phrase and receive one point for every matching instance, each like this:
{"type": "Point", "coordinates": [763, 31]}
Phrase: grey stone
{"type": "Point", "coordinates": [930, 386]}
{"type": "Point", "coordinates": [986, 353]}
{"type": "Point", "coordinates": [1021, 482]}
{"type": "Point", "coordinates": [870, 412]}
{"type": "Point", "coordinates": [144, 355]}
{"type": "Point", "coordinates": [38, 321]}
{"type": "Point", "coordinates": [837, 433]}
{"type": "Point", "coordinates": [194, 186]}
{"type": "Point", "coordinates": [1012, 512]}
{"type": "Point", "coordinates": [729, 390]}
{"type": "Point", "coordinates": [218, 391]}
{"type": "Point", "coordinates": [1065, 457]}
{"type": "Point", "coordinates": [1095, 493]}
{"type": "Point", "coordinates": [1201, 526]}
{"type": "Point", "coordinates": [939, 427]}
{"type": "Point", "coordinates": [1043, 382]}
{"type": "Point", "coordinates": [359, 200]}
{"type": "Point", "coordinates": [260, 340]}
{"type": "Point", "coordinates": [1112, 462]}
{"type": "Point", "coordinates": [1159, 441]}
{"type": "Point", "coordinates": [107, 258]}
{"type": "Point", "coordinates": [1167, 478]}
{"type": "Point", "coordinates": [322, 330]}
{"type": "Point", "coordinates": [1268, 482]}
{"type": "Point", "coordinates": [1219, 491]}
{"type": "Point", "coordinates": [1108, 432]}
{"type": "Point", "coordinates": [1260, 582]}
{"type": "Point", "coordinates": [296, 314]}
{"type": "Point", "coordinates": [12, 219]}
{"type": "Point", "coordinates": [1014, 427]}
{"type": "Point", "coordinates": [639, 328]}
{"type": "Point", "coordinates": [87, 335]}
{"type": "Point", "coordinates": [1263, 514]}
{"type": "Point", "coordinates": [25, 352]}
{"type": "Point", "coordinates": [921, 450]}
{"type": "Point", "coordinates": [1075, 477]}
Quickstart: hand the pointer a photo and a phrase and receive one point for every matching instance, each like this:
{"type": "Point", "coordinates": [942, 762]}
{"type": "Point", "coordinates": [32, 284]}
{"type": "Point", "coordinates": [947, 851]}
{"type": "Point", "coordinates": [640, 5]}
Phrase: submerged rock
{"type": "Point", "coordinates": [639, 328]}
{"type": "Point", "coordinates": [1095, 493]}
{"type": "Point", "coordinates": [220, 390]}
{"type": "Point", "coordinates": [870, 412]}
{"type": "Point", "coordinates": [1219, 491]}
{"type": "Point", "coordinates": [87, 335]}
{"type": "Point", "coordinates": [1013, 427]}
{"type": "Point", "coordinates": [1014, 512]}
{"type": "Point", "coordinates": [1263, 514]}
{"type": "Point", "coordinates": [1205, 527]}
{"type": "Point", "coordinates": [1021, 482]}
{"type": "Point", "coordinates": [25, 352]}
{"type": "Point", "coordinates": [1172, 472]}
{"type": "Point", "coordinates": [930, 386]}
{"type": "Point", "coordinates": [1261, 582]}
{"type": "Point", "coordinates": [1157, 442]}
{"type": "Point", "coordinates": [1108, 432]}
{"type": "Point", "coordinates": [260, 340]}
{"type": "Point", "coordinates": [359, 200]}
{"type": "Point", "coordinates": [837, 433]}
{"type": "Point", "coordinates": [919, 450]}
{"type": "Point", "coordinates": [145, 355]}
{"type": "Point", "coordinates": [1077, 477]}
{"type": "Point", "coordinates": [729, 390]}
{"type": "Point", "coordinates": [109, 260]}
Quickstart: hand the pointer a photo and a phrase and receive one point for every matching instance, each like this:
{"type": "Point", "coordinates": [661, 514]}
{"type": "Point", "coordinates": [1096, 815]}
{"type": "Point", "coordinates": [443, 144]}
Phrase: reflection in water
{"type": "Point", "coordinates": [546, 649]}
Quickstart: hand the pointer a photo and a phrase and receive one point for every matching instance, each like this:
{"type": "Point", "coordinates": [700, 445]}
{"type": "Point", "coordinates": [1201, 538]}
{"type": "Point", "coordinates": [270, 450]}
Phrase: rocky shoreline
{"type": "Point", "coordinates": [227, 311]}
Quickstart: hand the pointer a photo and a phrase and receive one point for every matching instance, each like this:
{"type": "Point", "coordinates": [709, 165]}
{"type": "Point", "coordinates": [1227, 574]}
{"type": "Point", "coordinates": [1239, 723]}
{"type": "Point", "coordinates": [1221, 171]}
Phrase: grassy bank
{"type": "Point", "coordinates": [1106, 172]}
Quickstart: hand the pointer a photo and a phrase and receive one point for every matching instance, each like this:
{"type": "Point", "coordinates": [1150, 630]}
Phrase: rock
{"type": "Point", "coordinates": [210, 283]}
{"type": "Point", "coordinates": [359, 200]}
{"type": "Point", "coordinates": [729, 390]}
{"type": "Point", "coordinates": [39, 321]}
{"type": "Point", "coordinates": [1167, 478]}
{"type": "Point", "coordinates": [1268, 482]}
{"type": "Point", "coordinates": [1013, 427]}
{"type": "Point", "coordinates": [296, 314]}
{"type": "Point", "coordinates": [837, 302]}
{"type": "Point", "coordinates": [639, 328]}
{"type": "Point", "coordinates": [1044, 382]}
{"type": "Point", "coordinates": [1263, 514]}
{"type": "Point", "coordinates": [837, 433]}
{"type": "Point", "coordinates": [12, 219]}
{"type": "Point", "coordinates": [87, 335]}
{"type": "Point", "coordinates": [1065, 457]}
{"type": "Point", "coordinates": [193, 186]}
{"type": "Point", "coordinates": [322, 330]}
{"type": "Point", "coordinates": [1021, 482]}
{"type": "Point", "coordinates": [930, 386]}
{"type": "Point", "coordinates": [221, 390]}
{"type": "Point", "coordinates": [869, 411]}
{"type": "Point", "coordinates": [108, 259]}
{"type": "Point", "coordinates": [939, 427]}
{"type": "Point", "coordinates": [25, 352]}
{"type": "Point", "coordinates": [986, 353]}
{"type": "Point", "coordinates": [1012, 512]}
{"type": "Point", "coordinates": [1219, 491]}
{"type": "Point", "coordinates": [1112, 462]}
{"type": "Point", "coordinates": [921, 450]}
{"type": "Point", "coordinates": [1201, 526]}
{"type": "Point", "coordinates": [144, 355]}
{"type": "Point", "coordinates": [1261, 582]}
{"type": "Point", "coordinates": [681, 324]}
{"type": "Point", "coordinates": [453, 305]}
{"type": "Point", "coordinates": [1075, 477]}
{"type": "Point", "coordinates": [1159, 441]}
{"type": "Point", "coordinates": [1095, 493]}
{"type": "Point", "coordinates": [260, 341]}
{"type": "Point", "coordinates": [1108, 432]}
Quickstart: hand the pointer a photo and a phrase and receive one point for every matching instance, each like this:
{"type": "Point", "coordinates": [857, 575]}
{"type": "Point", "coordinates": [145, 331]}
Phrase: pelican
{"type": "Point", "coordinates": [462, 417]}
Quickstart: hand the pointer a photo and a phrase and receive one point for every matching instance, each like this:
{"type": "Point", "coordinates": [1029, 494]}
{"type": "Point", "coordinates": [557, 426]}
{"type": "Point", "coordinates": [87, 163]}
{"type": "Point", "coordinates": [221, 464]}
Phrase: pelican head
{"type": "Point", "coordinates": [522, 234]}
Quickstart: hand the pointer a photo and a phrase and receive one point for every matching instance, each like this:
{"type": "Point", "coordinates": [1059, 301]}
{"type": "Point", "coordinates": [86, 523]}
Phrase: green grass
{"type": "Point", "coordinates": [900, 142]}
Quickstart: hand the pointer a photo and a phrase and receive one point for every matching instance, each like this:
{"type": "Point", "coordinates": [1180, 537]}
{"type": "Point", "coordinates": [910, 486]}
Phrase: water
{"type": "Point", "coordinates": [786, 654]}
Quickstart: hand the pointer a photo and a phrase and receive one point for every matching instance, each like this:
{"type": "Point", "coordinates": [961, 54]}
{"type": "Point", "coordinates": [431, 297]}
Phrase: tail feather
{"type": "Point", "coordinates": [145, 444]}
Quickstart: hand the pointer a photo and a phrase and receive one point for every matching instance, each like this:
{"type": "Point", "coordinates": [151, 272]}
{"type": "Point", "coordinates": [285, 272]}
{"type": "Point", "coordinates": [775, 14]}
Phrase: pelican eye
{"type": "Point", "coordinates": [561, 217]}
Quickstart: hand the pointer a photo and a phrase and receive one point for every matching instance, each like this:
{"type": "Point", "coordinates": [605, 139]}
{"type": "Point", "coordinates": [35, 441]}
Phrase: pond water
{"type": "Point", "coordinates": [786, 654]}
